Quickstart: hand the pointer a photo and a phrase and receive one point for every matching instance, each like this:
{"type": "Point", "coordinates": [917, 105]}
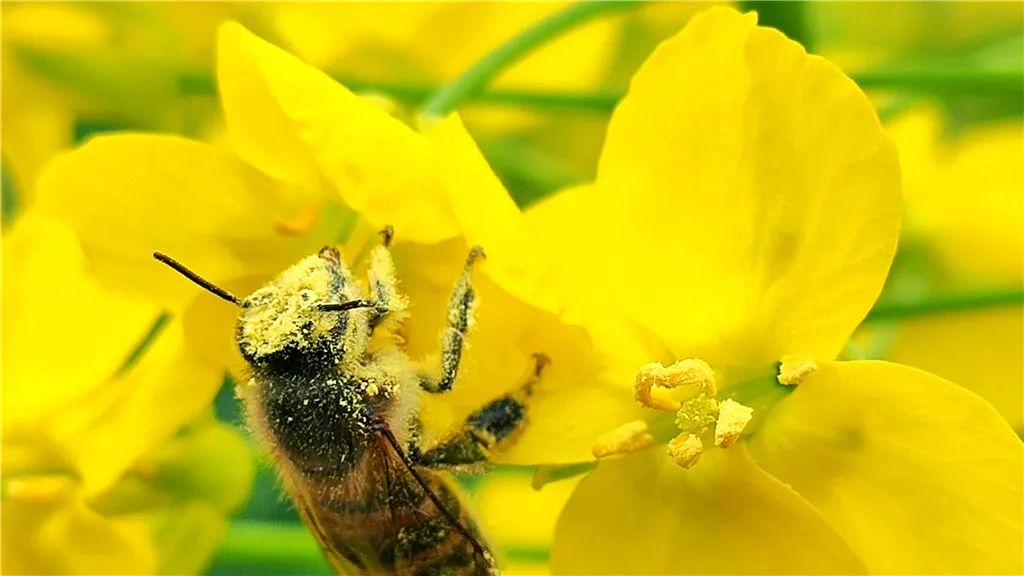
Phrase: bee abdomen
{"type": "Point", "coordinates": [435, 548]}
{"type": "Point", "coordinates": [404, 533]}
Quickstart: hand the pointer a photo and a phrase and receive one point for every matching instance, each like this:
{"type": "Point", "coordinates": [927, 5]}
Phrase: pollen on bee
{"type": "Point", "coordinates": [286, 305]}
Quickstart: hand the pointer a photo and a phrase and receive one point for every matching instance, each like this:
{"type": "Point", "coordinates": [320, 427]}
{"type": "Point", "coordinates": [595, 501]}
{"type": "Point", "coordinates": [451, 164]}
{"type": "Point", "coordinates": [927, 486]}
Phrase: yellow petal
{"type": "Point", "coordinates": [497, 360]}
{"type": "Point", "coordinates": [299, 125]}
{"type": "Point", "coordinates": [53, 316]}
{"type": "Point", "coordinates": [187, 537]}
{"type": "Point", "coordinates": [107, 432]}
{"type": "Point", "coordinates": [487, 215]}
{"type": "Point", "coordinates": [982, 350]}
{"type": "Point", "coordinates": [644, 515]}
{"type": "Point", "coordinates": [127, 196]}
{"type": "Point", "coordinates": [48, 529]}
{"type": "Point", "coordinates": [754, 195]}
{"type": "Point", "coordinates": [917, 474]}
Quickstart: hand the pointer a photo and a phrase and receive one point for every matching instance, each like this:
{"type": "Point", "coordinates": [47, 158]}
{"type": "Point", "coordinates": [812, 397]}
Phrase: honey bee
{"type": "Point", "coordinates": [334, 399]}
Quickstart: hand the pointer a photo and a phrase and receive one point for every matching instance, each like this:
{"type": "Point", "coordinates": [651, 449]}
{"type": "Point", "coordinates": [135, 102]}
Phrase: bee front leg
{"type": "Point", "coordinates": [460, 316]}
{"type": "Point", "coordinates": [487, 430]}
{"type": "Point", "coordinates": [383, 284]}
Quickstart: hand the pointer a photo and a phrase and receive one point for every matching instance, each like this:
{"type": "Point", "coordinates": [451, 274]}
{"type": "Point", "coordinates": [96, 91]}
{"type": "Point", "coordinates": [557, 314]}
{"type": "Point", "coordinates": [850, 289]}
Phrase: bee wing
{"type": "Point", "coordinates": [445, 539]}
{"type": "Point", "coordinates": [333, 552]}
{"type": "Point", "coordinates": [387, 517]}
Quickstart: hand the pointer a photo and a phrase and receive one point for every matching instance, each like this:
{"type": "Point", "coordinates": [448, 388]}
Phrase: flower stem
{"type": "Point", "coordinates": [898, 310]}
{"type": "Point", "coordinates": [909, 79]}
{"type": "Point", "coordinates": [478, 76]}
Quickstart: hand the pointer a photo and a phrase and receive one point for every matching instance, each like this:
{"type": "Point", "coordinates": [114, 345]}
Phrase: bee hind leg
{"type": "Point", "coordinates": [459, 319]}
{"type": "Point", "coordinates": [485, 431]}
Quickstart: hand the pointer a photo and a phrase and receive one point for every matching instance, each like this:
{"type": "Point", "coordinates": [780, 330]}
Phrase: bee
{"type": "Point", "coordinates": [334, 399]}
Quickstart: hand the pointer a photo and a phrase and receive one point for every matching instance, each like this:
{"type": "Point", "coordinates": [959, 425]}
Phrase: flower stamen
{"type": "Point", "coordinates": [691, 372]}
{"type": "Point", "coordinates": [793, 369]}
{"type": "Point", "coordinates": [685, 449]}
{"type": "Point", "coordinates": [629, 437]}
{"type": "Point", "coordinates": [733, 417]}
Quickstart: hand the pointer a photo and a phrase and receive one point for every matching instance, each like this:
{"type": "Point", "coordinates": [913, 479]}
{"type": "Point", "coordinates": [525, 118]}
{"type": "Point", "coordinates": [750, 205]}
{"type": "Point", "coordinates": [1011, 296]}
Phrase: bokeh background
{"type": "Point", "coordinates": [947, 79]}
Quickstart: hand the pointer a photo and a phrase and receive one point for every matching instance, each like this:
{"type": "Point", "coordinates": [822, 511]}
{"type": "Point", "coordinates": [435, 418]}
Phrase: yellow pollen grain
{"type": "Point", "coordinates": [691, 372]}
{"type": "Point", "coordinates": [733, 417]}
{"type": "Point", "coordinates": [685, 450]}
{"type": "Point", "coordinates": [627, 438]}
{"type": "Point", "coordinates": [793, 369]}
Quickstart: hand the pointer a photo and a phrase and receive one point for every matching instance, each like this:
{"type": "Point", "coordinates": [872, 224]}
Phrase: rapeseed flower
{"type": "Point", "coordinates": [308, 164]}
{"type": "Point", "coordinates": [105, 470]}
{"type": "Point", "coordinates": [745, 214]}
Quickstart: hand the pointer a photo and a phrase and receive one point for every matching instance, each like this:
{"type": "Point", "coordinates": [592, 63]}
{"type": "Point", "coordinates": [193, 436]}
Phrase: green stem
{"type": "Point", "coordinates": [478, 76]}
{"type": "Point", "coordinates": [956, 80]}
{"type": "Point", "coordinates": [250, 543]}
{"type": "Point", "coordinates": [944, 304]}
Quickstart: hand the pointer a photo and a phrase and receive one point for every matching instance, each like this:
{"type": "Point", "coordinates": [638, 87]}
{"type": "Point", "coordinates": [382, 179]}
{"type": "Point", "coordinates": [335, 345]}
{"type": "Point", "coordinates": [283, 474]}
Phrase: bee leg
{"type": "Point", "coordinates": [460, 316]}
{"type": "Point", "coordinates": [488, 429]}
{"type": "Point", "coordinates": [383, 283]}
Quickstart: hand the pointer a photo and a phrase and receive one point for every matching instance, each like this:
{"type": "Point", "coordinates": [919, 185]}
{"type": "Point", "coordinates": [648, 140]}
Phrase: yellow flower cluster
{"type": "Point", "coordinates": [702, 299]}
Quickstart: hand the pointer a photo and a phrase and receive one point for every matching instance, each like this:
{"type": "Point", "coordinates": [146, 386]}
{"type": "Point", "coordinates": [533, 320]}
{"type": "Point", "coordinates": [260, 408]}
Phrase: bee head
{"type": "Point", "coordinates": [300, 315]}
{"type": "Point", "coordinates": [303, 312]}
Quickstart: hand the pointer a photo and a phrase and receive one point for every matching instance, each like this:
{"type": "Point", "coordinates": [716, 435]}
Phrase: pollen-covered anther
{"type": "Point", "coordinates": [793, 369]}
{"type": "Point", "coordinates": [733, 417]}
{"type": "Point", "coordinates": [627, 438]}
{"type": "Point", "coordinates": [685, 449]}
{"type": "Point", "coordinates": [692, 372]}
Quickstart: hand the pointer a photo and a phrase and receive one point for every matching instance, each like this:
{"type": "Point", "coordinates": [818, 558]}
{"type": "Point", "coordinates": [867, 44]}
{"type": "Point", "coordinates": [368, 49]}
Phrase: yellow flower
{"type": "Point", "coordinates": [312, 164]}
{"type": "Point", "coordinates": [106, 468]}
{"type": "Point", "coordinates": [74, 68]}
{"type": "Point", "coordinates": [745, 213]}
{"type": "Point", "coordinates": [964, 217]}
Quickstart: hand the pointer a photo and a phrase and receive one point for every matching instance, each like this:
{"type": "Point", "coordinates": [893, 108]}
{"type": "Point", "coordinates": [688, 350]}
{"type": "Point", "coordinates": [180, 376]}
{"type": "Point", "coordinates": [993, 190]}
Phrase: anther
{"type": "Point", "coordinates": [793, 369]}
{"type": "Point", "coordinates": [685, 449]}
{"type": "Point", "coordinates": [691, 372]}
{"type": "Point", "coordinates": [733, 417]}
{"type": "Point", "coordinates": [627, 438]}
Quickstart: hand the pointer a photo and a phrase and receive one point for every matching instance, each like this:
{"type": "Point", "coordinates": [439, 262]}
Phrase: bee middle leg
{"type": "Point", "coordinates": [488, 429]}
{"type": "Point", "coordinates": [459, 318]}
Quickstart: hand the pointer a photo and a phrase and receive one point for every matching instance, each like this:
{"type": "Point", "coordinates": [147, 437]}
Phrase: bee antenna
{"type": "Point", "coordinates": [342, 306]}
{"type": "Point", "coordinates": [206, 284]}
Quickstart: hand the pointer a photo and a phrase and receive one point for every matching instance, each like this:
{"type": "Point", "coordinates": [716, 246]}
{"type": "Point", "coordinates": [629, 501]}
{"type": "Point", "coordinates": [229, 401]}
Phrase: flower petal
{"type": "Point", "coordinates": [49, 529]}
{"type": "Point", "coordinates": [644, 515]}
{"type": "Point", "coordinates": [758, 193]}
{"type": "Point", "coordinates": [487, 215]}
{"type": "Point", "coordinates": [108, 432]}
{"type": "Point", "coordinates": [129, 195]}
{"type": "Point", "coordinates": [917, 474]}
{"type": "Point", "coordinates": [53, 309]}
{"type": "Point", "coordinates": [982, 349]}
{"type": "Point", "coordinates": [299, 125]}
{"type": "Point", "coordinates": [497, 360]}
